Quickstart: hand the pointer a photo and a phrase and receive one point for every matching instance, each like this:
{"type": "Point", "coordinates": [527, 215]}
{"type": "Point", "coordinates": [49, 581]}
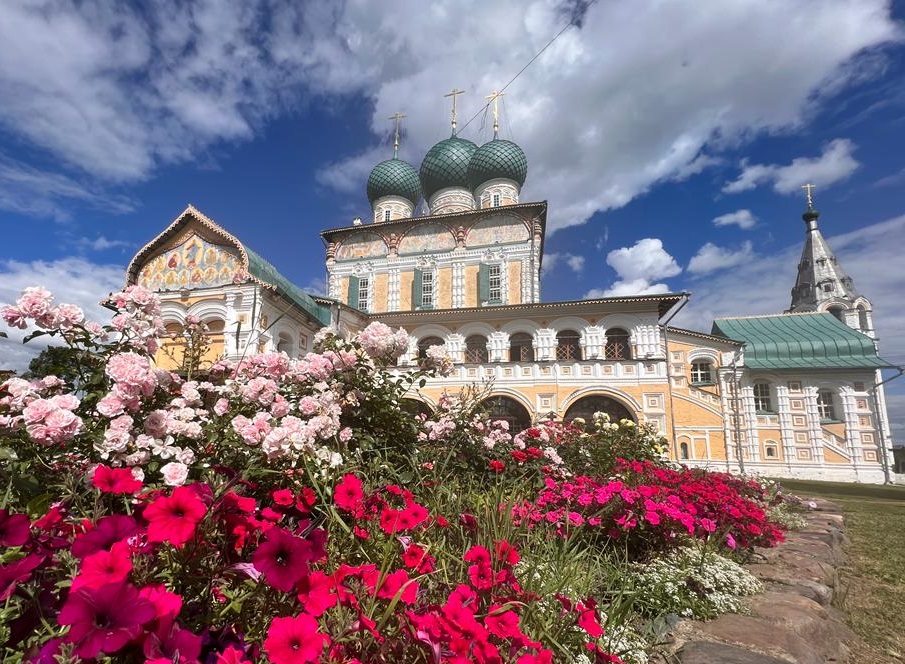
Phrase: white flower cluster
{"type": "Point", "coordinates": [693, 583]}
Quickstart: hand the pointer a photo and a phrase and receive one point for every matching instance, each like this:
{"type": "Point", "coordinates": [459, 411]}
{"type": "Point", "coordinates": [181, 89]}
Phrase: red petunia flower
{"type": "Point", "coordinates": [282, 558]}
{"type": "Point", "coordinates": [294, 640]}
{"type": "Point", "coordinates": [398, 583]}
{"type": "Point", "coordinates": [348, 494]}
{"type": "Point", "coordinates": [316, 593]}
{"type": "Point", "coordinates": [173, 519]}
{"type": "Point", "coordinates": [104, 619]}
{"type": "Point", "coordinates": [232, 655]}
{"type": "Point", "coordinates": [115, 480]}
{"type": "Point", "coordinates": [16, 573]}
{"type": "Point", "coordinates": [502, 623]}
{"type": "Point", "coordinates": [105, 567]}
{"type": "Point", "coordinates": [14, 529]}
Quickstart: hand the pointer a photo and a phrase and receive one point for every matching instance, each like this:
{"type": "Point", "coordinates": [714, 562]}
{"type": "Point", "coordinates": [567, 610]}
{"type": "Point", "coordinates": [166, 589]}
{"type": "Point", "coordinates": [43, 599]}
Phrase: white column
{"type": "Point", "coordinates": [498, 347]}
{"type": "Point", "coordinates": [455, 347]}
{"type": "Point", "coordinates": [545, 344]}
{"type": "Point", "coordinates": [815, 431]}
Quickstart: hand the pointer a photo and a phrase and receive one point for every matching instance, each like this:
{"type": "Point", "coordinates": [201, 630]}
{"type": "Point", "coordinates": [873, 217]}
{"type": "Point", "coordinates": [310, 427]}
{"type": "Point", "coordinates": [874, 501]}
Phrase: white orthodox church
{"type": "Point", "coordinates": [794, 394]}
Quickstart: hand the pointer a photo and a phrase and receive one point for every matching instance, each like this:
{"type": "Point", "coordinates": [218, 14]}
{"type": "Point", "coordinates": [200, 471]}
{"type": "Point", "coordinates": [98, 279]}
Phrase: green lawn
{"type": "Point", "coordinates": [874, 576]}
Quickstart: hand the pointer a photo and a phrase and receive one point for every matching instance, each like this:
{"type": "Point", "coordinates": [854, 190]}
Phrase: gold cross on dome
{"type": "Point", "coordinates": [494, 98]}
{"type": "Point", "coordinates": [397, 116]}
{"type": "Point", "coordinates": [455, 93]}
{"type": "Point", "coordinates": [808, 188]}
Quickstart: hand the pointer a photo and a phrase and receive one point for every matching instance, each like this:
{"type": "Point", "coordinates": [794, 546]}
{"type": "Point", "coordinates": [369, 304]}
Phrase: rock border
{"type": "Point", "coordinates": [793, 620]}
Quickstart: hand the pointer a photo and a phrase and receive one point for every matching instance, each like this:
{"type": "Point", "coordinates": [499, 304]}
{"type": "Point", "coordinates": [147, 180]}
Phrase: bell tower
{"type": "Point", "coordinates": [822, 284]}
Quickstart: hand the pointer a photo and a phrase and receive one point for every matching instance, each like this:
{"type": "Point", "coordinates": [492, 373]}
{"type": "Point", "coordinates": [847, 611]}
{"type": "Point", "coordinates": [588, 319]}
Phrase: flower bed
{"type": "Point", "coordinates": [288, 510]}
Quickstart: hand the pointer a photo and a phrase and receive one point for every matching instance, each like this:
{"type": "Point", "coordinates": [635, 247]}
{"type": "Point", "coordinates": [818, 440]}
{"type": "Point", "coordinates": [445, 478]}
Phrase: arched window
{"type": "Point", "coordinates": [598, 403]}
{"type": "Point", "coordinates": [618, 346]}
{"type": "Point", "coordinates": [521, 347]}
{"type": "Point", "coordinates": [284, 344]}
{"type": "Point", "coordinates": [683, 450]}
{"type": "Point", "coordinates": [568, 345]}
{"type": "Point", "coordinates": [476, 349]}
{"type": "Point", "coordinates": [838, 312]}
{"type": "Point", "coordinates": [427, 342]}
{"type": "Point", "coordinates": [863, 320]}
{"type": "Point", "coordinates": [509, 410]}
{"type": "Point", "coordinates": [762, 401]}
{"type": "Point", "coordinates": [701, 372]}
{"type": "Point", "coordinates": [770, 449]}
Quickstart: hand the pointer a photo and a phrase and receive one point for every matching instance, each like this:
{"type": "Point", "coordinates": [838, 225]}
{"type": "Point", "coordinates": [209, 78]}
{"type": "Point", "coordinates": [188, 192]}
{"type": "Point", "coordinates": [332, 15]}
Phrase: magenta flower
{"type": "Point", "coordinates": [173, 518]}
{"type": "Point", "coordinates": [108, 531]}
{"type": "Point", "coordinates": [104, 619]}
{"type": "Point", "coordinates": [17, 572]}
{"type": "Point", "coordinates": [294, 640]}
{"type": "Point", "coordinates": [282, 558]}
{"type": "Point", "coordinates": [14, 529]}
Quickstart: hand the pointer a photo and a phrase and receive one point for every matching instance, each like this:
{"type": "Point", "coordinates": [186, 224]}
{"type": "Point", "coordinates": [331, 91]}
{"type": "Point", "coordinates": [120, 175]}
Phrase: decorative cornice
{"type": "Point", "coordinates": [708, 337]}
{"type": "Point", "coordinates": [451, 218]}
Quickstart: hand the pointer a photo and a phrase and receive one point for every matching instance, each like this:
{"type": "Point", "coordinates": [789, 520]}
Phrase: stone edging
{"type": "Point", "coordinates": [793, 620]}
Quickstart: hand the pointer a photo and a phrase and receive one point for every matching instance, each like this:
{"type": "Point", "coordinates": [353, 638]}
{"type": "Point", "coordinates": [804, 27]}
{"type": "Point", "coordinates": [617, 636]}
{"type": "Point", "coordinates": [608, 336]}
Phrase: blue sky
{"type": "Point", "coordinates": [643, 124]}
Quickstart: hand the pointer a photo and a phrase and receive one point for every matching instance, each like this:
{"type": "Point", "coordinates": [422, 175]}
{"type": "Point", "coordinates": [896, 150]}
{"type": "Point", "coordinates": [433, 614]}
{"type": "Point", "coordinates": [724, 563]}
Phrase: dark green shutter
{"type": "Point", "coordinates": [417, 299]}
{"type": "Point", "coordinates": [483, 284]}
{"type": "Point", "coordinates": [353, 292]}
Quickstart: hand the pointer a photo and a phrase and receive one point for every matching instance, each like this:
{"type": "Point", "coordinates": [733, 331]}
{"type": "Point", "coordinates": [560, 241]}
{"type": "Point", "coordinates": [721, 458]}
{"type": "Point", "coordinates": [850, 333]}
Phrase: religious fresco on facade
{"type": "Point", "coordinates": [361, 245]}
{"type": "Point", "coordinates": [195, 263]}
{"type": "Point", "coordinates": [430, 237]}
{"type": "Point", "coordinates": [497, 229]}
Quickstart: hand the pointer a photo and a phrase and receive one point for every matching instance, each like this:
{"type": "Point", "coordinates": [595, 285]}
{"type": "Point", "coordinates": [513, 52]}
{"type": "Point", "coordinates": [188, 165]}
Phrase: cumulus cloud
{"type": "Point", "coordinates": [744, 219]}
{"type": "Point", "coordinates": [115, 91]}
{"type": "Point", "coordinates": [72, 280]}
{"type": "Point", "coordinates": [711, 258]}
{"type": "Point", "coordinates": [761, 286]}
{"type": "Point", "coordinates": [835, 164]}
{"type": "Point", "coordinates": [638, 269]}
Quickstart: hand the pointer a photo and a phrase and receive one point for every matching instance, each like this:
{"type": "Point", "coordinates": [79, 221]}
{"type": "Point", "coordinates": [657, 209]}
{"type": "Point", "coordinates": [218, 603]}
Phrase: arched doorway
{"type": "Point", "coordinates": [510, 410]}
{"type": "Point", "coordinates": [585, 408]}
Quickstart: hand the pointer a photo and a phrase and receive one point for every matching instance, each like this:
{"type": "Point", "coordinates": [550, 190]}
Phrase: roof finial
{"type": "Point", "coordinates": [494, 99]}
{"type": "Point", "coordinates": [455, 93]}
{"type": "Point", "coordinates": [808, 188]}
{"type": "Point", "coordinates": [397, 116]}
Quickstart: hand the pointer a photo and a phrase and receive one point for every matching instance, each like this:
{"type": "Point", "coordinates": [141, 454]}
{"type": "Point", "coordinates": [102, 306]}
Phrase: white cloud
{"type": "Point", "coordinates": [37, 193]}
{"type": "Point", "coordinates": [552, 260]}
{"type": "Point", "coordinates": [711, 258]}
{"type": "Point", "coordinates": [116, 91]}
{"type": "Point", "coordinates": [701, 163]}
{"type": "Point", "coordinates": [72, 280]}
{"type": "Point", "coordinates": [744, 219]}
{"type": "Point", "coordinates": [100, 243]}
{"type": "Point", "coordinates": [762, 286]}
{"type": "Point", "coordinates": [835, 164]}
{"type": "Point", "coordinates": [638, 268]}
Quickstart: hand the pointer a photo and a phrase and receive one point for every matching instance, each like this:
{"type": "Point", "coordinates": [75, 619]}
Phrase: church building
{"type": "Point", "coordinates": [788, 395]}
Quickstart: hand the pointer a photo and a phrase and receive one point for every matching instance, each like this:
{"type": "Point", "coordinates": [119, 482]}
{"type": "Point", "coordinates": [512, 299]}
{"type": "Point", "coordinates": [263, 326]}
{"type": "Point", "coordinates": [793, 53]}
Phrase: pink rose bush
{"type": "Point", "coordinates": [289, 510]}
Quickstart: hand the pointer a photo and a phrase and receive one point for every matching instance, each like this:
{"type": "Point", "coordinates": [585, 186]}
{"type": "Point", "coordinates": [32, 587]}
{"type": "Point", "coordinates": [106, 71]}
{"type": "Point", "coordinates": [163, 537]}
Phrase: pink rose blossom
{"type": "Point", "coordinates": [175, 473]}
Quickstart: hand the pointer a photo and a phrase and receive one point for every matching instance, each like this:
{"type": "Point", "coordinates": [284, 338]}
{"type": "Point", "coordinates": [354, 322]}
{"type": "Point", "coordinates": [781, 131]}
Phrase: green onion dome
{"type": "Point", "coordinates": [394, 177]}
{"type": "Point", "coordinates": [498, 158]}
{"type": "Point", "coordinates": [446, 165]}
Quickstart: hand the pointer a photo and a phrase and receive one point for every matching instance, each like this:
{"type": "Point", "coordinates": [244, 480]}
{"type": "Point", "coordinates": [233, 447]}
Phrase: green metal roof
{"type": "Point", "coordinates": [446, 165]}
{"type": "Point", "coordinates": [498, 158]}
{"type": "Point", "coordinates": [267, 273]}
{"type": "Point", "coordinates": [394, 177]}
{"type": "Point", "coordinates": [800, 341]}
